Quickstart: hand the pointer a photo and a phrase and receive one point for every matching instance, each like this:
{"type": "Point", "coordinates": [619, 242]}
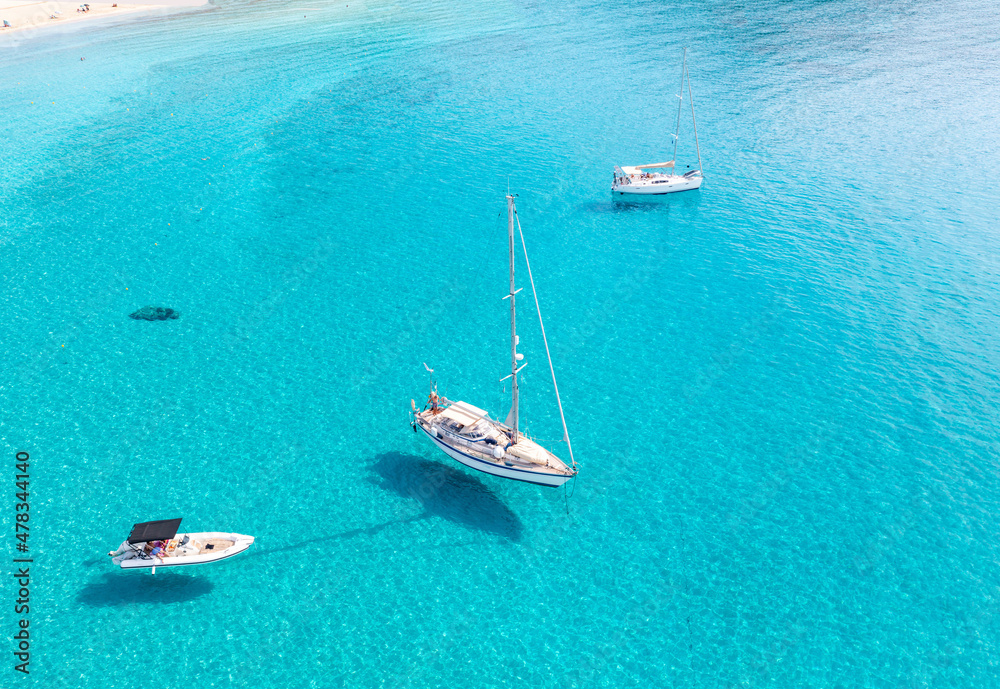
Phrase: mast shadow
{"type": "Point", "coordinates": [132, 588]}
{"type": "Point", "coordinates": [372, 530]}
{"type": "Point", "coordinates": [446, 492]}
{"type": "Point", "coordinates": [326, 538]}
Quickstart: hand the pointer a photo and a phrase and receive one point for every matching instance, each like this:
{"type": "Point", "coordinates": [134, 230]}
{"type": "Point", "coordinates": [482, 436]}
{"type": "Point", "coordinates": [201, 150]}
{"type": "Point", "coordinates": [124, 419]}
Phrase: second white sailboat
{"type": "Point", "coordinates": [656, 179]}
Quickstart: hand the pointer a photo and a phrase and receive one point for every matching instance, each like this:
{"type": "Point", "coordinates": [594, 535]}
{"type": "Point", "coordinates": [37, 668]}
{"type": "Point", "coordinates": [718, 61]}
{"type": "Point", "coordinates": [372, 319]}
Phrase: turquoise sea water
{"type": "Point", "coordinates": [782, 388]}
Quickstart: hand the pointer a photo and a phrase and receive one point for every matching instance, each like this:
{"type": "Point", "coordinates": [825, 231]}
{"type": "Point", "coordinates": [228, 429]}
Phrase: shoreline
{"type": "Point", "coordinates": [25, 17]}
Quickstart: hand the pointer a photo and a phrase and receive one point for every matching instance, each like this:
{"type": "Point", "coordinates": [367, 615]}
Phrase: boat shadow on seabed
{"type": "Point", "coordinates": [441, 490]}
{"type": "Point", "coordinates": [446, 492]}
{"type": "Point", "coordinates": [114, 589]}
{"type": "Point", "coordinates": [643, 204]}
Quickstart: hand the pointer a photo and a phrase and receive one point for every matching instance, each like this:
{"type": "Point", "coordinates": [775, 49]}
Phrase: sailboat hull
{"type": "Point", "coordinates": [538, 478]}
{"type": "Point", "coordinates": [657, 185]}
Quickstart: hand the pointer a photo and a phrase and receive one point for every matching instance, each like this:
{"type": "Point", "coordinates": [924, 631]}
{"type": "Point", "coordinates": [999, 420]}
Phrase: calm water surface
{"type": "Point", "coordinates": [782, 388]}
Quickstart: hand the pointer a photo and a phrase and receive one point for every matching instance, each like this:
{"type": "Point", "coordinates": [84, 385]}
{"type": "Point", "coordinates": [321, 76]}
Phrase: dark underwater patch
{"type": "Point", "coordinates": [154, 313]}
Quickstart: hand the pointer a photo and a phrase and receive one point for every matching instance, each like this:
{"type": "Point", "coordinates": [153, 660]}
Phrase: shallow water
{"type": "Point", "coordinates": [781, 388]}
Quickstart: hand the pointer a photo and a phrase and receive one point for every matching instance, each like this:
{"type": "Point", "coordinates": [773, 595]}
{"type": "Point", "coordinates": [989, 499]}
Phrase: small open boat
{"type": "Point", "coordinates": [157, 544]}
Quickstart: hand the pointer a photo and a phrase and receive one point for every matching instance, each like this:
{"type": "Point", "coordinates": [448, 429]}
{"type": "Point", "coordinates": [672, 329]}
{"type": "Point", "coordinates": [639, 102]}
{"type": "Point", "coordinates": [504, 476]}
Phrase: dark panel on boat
{"type": "Point", "coordinates": [163, 530]}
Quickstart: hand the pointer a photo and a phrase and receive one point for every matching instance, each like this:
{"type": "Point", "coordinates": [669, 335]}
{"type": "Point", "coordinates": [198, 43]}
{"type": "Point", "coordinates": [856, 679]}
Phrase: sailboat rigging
{"type": "Point", "coordinates": [467, 433]}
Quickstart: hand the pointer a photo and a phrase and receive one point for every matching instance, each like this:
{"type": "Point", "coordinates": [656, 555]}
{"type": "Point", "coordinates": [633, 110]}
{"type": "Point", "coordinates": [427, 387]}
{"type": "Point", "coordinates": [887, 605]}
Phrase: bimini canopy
{"type": "Point", "coordinates": [163, 530]}
{"type": "Point", "coordinates": [637, 169]}
{"type": "Point", "coordinates": [465, 414]}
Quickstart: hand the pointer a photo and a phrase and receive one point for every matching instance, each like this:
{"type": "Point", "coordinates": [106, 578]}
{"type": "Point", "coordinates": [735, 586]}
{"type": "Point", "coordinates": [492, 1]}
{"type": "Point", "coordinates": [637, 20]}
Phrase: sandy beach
{"type": "Point", "coordinates": [23, 16]}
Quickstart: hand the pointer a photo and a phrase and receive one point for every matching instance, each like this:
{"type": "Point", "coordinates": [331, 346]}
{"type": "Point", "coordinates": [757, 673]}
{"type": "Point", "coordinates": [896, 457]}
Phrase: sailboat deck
{"type": "Point", "coordinates": [483, 435]}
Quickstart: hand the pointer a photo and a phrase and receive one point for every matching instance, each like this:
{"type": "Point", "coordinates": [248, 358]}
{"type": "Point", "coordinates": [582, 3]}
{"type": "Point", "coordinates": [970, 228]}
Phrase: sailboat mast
{"type": "Point", "coordinates": [512, 416]}
{"type": "Point", "coordinates": [680, 105]}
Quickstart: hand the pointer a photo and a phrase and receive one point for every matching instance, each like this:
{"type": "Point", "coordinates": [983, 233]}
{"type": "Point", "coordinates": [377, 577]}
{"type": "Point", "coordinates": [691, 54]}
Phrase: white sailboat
{"type": "Point", "coordinates": [655, 179]}
{"type": "Point", "coordinates": [157, 544]}
{"type": "Point", "coordinates": [467, 433]}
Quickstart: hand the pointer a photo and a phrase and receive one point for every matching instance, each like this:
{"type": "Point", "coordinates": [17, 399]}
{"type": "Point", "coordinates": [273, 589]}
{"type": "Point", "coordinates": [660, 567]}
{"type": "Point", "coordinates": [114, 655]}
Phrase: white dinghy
{"type": "Point", "coordinates": [157, 544]}
{"type": "Point", "coordinates": [655, 179]}
{"type": "Point", "coordinates": [467, 434]}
